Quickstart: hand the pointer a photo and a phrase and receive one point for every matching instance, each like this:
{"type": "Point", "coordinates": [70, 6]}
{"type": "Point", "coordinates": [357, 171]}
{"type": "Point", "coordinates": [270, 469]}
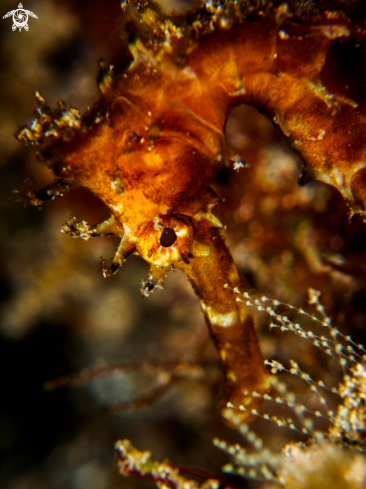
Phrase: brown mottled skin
{"type": "Point", "coordinates": [155, 150]}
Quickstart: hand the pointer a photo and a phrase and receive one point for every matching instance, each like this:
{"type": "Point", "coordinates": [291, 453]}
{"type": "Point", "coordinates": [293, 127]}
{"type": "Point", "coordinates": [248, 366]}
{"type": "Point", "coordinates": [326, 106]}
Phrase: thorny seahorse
{"type": "Point", "coordinates": [152, 144]}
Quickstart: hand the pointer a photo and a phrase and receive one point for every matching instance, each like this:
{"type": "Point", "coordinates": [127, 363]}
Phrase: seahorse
{"type": "Point", "coordinates": [153, 143]}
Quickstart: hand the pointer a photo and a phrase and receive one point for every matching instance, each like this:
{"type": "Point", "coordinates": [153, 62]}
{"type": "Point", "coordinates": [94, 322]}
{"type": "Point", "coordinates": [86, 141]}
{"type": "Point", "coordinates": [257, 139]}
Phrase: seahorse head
{"type": "Point", "coordinates": [151, 163]}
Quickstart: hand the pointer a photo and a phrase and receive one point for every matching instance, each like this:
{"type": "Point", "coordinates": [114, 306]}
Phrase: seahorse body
{"type": "Point", "coordinates": [153, 143]}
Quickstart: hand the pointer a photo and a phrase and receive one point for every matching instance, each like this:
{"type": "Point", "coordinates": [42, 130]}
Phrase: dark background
{"type": "Point", "coordinates": [58, 315]}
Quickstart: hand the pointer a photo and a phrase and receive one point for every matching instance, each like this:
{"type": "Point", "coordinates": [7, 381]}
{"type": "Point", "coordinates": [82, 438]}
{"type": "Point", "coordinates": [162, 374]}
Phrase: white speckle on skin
{"type": "Point", "coordinates": [157, 223]}
{"type": "Point", "coordinates": [181, 232]}
{"type": "Point", "coordinates": [117, 207]}
{"type": "Point", "coordinates": [199, 249]}
{"type": "Point", "coordinates": [321, 134]}
{"type": "Point", "coordinates": [189, 72]}
{"type": "Point", "coordinates": [283, 35]}
{"type": "Point", "coordinates": [236, 93]}
{"type": "Point", "coordinates": [118, 186]}
{"type": "Point", "coordinates": [225, 320]}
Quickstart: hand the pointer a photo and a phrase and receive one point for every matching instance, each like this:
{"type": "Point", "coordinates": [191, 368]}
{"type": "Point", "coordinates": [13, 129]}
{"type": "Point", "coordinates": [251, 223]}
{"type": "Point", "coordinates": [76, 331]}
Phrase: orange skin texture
{"type": "Point", "coordinates": [162, 143]}
{"type": "Point", "coordinates": [170, 181]}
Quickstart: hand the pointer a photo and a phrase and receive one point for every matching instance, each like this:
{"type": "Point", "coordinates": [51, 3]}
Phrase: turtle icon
{"type": "Point", "coordinates": [20, 17]}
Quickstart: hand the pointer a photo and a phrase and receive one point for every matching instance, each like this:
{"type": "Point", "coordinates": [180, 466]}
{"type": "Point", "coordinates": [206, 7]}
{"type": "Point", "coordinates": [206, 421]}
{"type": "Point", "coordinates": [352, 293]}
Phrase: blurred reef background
{"type": "Point", "coordinates": [59, 316]}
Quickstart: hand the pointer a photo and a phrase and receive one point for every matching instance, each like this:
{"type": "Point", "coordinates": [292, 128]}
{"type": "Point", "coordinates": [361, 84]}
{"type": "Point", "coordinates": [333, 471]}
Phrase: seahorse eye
{"type": "Point", "coordinates": [168, 237]}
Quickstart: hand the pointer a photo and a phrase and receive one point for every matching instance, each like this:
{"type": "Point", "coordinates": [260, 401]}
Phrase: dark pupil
{"type": "Point", "coordinates": [168, 237]}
